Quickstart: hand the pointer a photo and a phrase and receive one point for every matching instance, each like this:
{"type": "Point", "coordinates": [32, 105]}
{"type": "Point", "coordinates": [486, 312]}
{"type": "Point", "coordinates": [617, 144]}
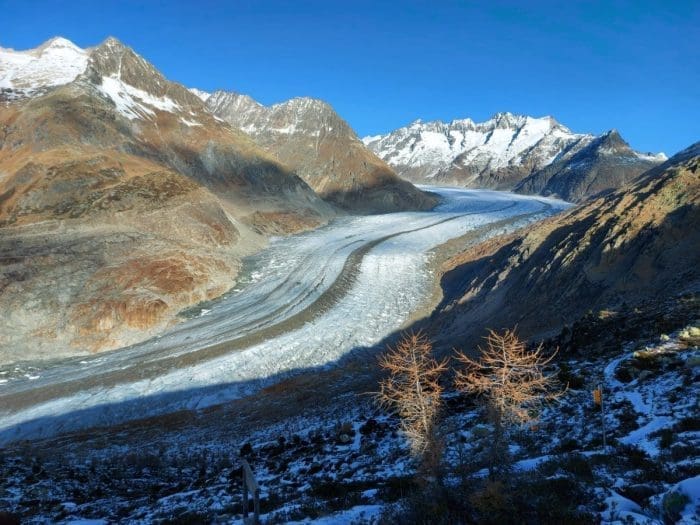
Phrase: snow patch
{"type": "Point", "coordinates": [133, 103]}
{"type": "Point", "coordinates": [202, 95]}
{"type": "Point", "coordinates": [54, 63]}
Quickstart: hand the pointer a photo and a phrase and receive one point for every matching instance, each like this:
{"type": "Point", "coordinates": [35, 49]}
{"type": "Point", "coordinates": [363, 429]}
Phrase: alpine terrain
{"type": "Point", "coordinates": [122, 199]}
{"type": "Point", "coordinates": [307, 135]}
{"type": "Point", "coordinates": [637, 245]}
{"type": "Point", "coordinates": [213, 308]}
{"type": "Point", "coordinates": [511, 152]}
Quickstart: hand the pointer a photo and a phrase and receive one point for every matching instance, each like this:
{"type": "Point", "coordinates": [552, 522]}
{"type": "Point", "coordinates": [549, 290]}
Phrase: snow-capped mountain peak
{"type": "Point", "coordinates": [58, 42]}
{"type": "Point", "coordinates": [503, 152]}
{"type": "Point", "coordinates": [136, 88]}
{"type": "Point", "coordinates": [424, 149]}
{"type": "Point", "coordinates": [303, 115]}
{"type": "Point", "coordinates": [55, 62]}
{"type": "Point", "coordinates": [310, 137]}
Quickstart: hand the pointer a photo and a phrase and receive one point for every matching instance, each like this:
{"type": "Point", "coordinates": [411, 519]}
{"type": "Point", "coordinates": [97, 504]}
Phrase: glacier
{"type": "Point", "coordinates": [306, 301]}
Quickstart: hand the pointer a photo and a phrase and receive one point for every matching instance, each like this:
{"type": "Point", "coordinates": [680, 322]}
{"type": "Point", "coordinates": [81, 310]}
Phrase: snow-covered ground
{"type": "Point", "coordinates": [348, 462]}
{"type": "Point", "coordinates": [306, 301]}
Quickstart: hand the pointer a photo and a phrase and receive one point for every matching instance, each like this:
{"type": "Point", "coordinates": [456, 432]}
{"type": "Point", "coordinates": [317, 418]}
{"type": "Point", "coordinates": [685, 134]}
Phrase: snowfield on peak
{"type": "Point", "coordinates": [300, 115]}
{"type": "Point", "coordinates": [132, 102]}
{"type": "Point", "coordinates": [514, 153]}
{"type": "Point", "coordinates": [54, 63]}
{"type": "Point", "coordinates": [58, 61]}
{"type": "Point", "coordinates": [499, 142]}
{"type": "Point", "coordinates": [203, 95]}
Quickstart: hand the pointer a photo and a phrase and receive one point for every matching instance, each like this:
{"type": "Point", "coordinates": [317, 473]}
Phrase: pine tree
{"type": "Point", "coordinates": [412, 389]}
{"type": "Point", "coordinates": [512, 382]}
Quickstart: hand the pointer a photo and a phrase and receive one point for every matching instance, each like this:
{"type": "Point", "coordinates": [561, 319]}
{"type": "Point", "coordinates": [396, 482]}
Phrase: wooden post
{"type": "Point", "coordinates": [598, 400]}
{"type": "Point", "coordinates": [250, 483]}
{"type": "Point", "coordinates": [602, 416]}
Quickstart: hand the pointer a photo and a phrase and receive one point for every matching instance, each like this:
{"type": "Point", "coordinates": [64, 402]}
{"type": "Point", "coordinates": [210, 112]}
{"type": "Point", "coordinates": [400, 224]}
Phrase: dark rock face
{"type": "Point", "coordinates": [606, 163]}
{"type": "Point", "coordinates": [310, 137]}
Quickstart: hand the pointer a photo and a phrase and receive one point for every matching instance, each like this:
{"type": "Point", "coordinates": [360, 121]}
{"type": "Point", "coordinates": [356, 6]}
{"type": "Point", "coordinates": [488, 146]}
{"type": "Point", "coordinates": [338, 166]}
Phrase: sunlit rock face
{"type": "Point", "coordinates": [310, 137]}
{"type": "Point", "coordinates": [640, 243]}
{"type": "Point", "coordinates": [122, 200]}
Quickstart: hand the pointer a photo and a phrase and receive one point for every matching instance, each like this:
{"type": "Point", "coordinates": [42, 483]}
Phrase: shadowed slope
{"type": "Point", "coordinates": [310, 137]}
{"type": "Point", "coordinates": [637, 244]}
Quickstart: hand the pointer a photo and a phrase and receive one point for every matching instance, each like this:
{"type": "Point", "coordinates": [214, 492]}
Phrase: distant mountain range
{"type": "Point", "coordinates": [512, 152]}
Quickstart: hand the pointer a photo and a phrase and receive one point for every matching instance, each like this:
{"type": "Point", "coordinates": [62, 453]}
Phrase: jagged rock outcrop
{"type": "Point", "coordinates": [309, 136]}
{"type": "Point", "coordinates": [637, 244]}
{"type": "Point", "coordinates": [606, 163]}
{"type": "Point", "coordinates": [122, 201]}
{"type": "Point", "coordinates": [511, 152]}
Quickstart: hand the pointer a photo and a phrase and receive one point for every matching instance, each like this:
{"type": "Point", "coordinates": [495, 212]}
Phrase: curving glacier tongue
{"type": "Point", "coordinates": [308, 301]}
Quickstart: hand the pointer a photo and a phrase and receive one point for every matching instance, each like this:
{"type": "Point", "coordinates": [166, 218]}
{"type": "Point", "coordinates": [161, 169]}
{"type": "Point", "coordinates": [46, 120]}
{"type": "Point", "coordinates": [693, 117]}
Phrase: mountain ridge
{"type": "Point", "coordinates": [638, 243]}
{"type": "Point", "coordinates": [500, 153]}
{"type": "Point", "coordinates": [308, 135]}
{"type": "Point", "coordinates": [123, 200]}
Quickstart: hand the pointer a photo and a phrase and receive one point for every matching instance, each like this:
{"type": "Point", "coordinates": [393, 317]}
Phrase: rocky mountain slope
{"type": "Point", "coordinates": [310, 137]}
{"type": "Point", "coordinates": [122, 200]}
{"type": "Point", "coordinates": [511, 152]}
{"type": "Point", "coordinates": [606, 163]}
{"type": "Point", "coordinates": [641, 243]}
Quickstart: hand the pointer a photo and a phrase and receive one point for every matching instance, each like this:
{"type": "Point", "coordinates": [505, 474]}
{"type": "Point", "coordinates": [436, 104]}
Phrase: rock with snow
{"type": "Point", "coordinates": [606, 163]}
{"type": "Point", "coordinates": [505, 152]}
{"type": "Point", "coordinates": [25, 73]}
{"type": "Point", "coordinates": [201, 94]}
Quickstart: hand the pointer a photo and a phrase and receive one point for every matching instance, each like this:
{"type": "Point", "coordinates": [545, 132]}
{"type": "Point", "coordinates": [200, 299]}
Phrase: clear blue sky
{"type": "Point", "coordinates": [630, 65]}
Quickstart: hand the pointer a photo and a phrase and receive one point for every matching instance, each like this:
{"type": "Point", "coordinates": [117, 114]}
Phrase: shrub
{"type": "Point", "coordinates": [673, 504]}
{"type": "Point", "coordinates": [567, 377]}
{"type": "Point", "coordinates": [666, 437]}
{"type": "Point", "coordinates": [688, 424]}
{"type": "Point", "coordinates": [575, 464]}
{"type": "Point", "coordinates": [627, 417]}
{"type": "Point", "coordinates": [493, 504]}
{"type": "Point", "coordinates": [635, 456]}
{"type": "Point", "coordinates": [432, 505]}
{"type": "Point", "coordinates": [624, 374]}
{"type": "Point", "coordinates": [554, 500]}
{"type": "Point", "coordinates": [397, 488]}
{"type": "Point", "coordinates": [568, 445]}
